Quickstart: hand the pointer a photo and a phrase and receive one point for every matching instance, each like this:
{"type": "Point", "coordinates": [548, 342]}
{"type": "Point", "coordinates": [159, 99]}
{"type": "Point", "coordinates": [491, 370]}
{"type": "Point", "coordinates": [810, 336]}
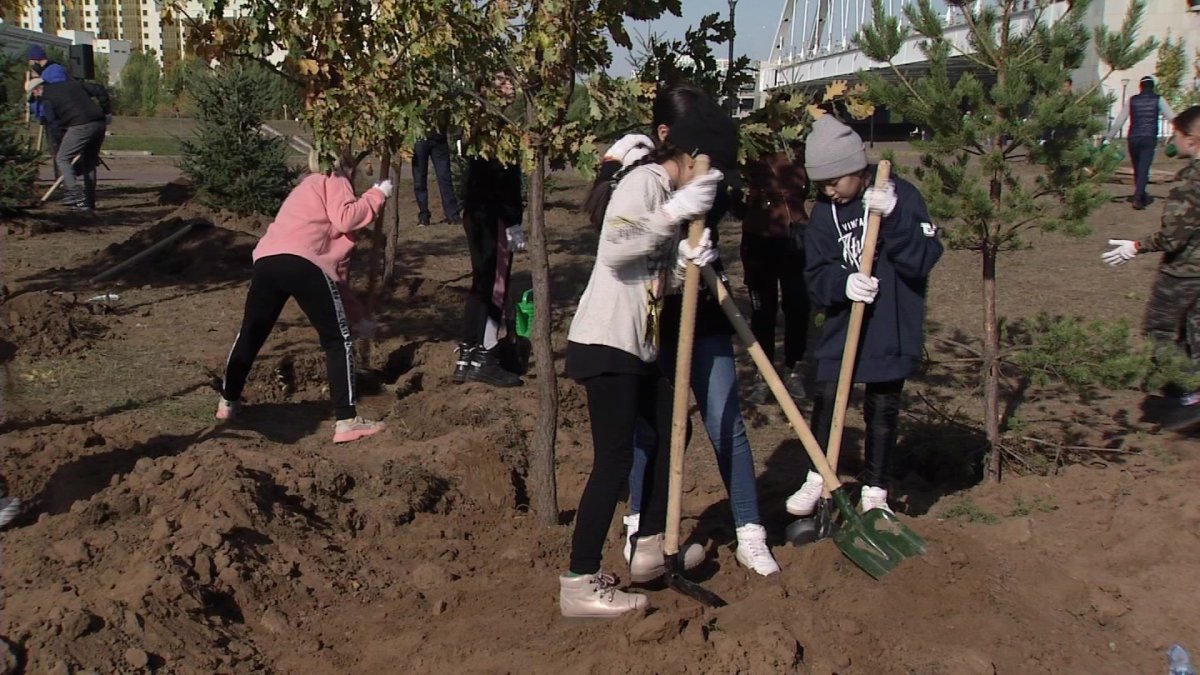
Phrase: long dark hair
{"type": "Point", "coordinates": [671, 104]}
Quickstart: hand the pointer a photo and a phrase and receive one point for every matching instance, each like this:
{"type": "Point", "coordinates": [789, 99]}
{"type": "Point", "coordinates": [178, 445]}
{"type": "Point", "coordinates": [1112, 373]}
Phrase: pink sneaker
{"type": "Point", "coordinates": [345, 431]}
{"type": "Point", "coordinates": [227, 410]}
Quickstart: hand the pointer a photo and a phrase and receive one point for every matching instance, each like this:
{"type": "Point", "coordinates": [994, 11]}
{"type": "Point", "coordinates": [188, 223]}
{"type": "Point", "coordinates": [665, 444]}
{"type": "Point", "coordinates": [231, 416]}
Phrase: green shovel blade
{"type": "Point", "coordinates": [877, 542]}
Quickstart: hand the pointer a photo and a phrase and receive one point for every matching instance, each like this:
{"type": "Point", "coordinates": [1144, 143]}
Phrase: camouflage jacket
{"type": "Point", "coordinates": [1179, 237]}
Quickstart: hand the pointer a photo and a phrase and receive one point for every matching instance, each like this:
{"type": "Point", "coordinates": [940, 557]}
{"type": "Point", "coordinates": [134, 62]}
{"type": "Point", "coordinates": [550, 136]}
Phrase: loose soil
{"type": "Point", "coordinates": [157, 540]}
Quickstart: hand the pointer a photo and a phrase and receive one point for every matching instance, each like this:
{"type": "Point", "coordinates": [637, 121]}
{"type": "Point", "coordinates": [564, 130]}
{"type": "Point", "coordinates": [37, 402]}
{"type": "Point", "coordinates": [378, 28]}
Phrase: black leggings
{"type": "Point", "coordinates": [277, 278]}
{"type": "Point", "coordinates": [775, 267]}
{"type": "Point", "coordinates": [615, 402]}
{"type": "Point", "coordinates": [491, 262]}
{"type": "Point", "coordinates": [881, 411]}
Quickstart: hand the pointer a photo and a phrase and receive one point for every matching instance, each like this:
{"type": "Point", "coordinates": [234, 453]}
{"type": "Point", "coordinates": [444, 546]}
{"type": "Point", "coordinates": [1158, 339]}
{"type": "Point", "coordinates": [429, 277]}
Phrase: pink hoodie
{"type": "Point", "coordinates": [317, 222]}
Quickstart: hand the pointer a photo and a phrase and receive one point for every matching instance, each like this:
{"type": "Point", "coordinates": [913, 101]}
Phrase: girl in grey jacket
{"type": "Point", "coordinates": [612, 348]}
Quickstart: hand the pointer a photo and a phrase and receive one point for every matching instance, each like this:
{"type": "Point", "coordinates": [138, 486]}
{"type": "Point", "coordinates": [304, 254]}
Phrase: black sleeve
{"type": "Point", "coordinates": [824, 271]}
{"type": "Point", "coordinates": [54, 130]}
{"type": "Point", "coordinates": [909, 236]}
{"type": "Point", "coordinates": [99, 93]}
{"type": "Point", "coordinates": [512, 208]}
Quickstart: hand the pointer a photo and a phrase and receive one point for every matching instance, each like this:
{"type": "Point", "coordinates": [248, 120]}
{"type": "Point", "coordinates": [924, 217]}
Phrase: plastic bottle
{"type": "Point", "coordinates": [1181, 663]}
{"type": "Point", "coordinates": [525, 314]}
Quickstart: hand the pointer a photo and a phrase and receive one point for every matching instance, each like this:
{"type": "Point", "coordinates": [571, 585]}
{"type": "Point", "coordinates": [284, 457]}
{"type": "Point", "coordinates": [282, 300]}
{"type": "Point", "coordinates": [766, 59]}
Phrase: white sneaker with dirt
{"type": "Point", "coordinates": [10, 508]}
{"type": "Point", "coordinates": [596, 596]}
{"type": "Point", "coordinates": [648, 562]}
{"type": "Point", "coordinates": [345, 431]}
{"type": "Point", "coordinates": [874, 498]}
{"type": "Point", "coordinates": [752, 552]}
{"type": "Point", "coordinates": [631, 528]}
{"type": "Point", "coordinates": [227, 410]}
{"type": "Point", "coordinates": [804, 501]}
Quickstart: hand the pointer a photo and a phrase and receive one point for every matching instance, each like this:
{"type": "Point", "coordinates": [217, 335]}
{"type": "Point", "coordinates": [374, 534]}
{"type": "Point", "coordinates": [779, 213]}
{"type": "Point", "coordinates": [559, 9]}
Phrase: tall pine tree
{"type": "Point", "coordinates": [1009, 145]}
{"type": "Point", "coordinates": [230, 161]}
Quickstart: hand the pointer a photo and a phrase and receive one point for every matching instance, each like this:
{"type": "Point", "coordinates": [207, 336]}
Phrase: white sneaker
{"type": "Point", "coordinates": [631, 528]}
{"type": "Point", "coordinates": [752, 551]}
{"type": "Point", "coordinates": [595, 596]}
{"type": "Point", "coordinates": [804, 501]}
{"type": "Point", "coordinates": [345, 431]}
{"type": "Point", "coordinates": [874, 498]}
{"type": "Point", "coordinates": [10, 508]}
{"type": "Point", "coordinates": [227, 410]}
{"type": "Point", "coordinates": [649, 563]}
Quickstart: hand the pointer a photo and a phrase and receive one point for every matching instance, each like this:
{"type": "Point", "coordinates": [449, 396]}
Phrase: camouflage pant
{"type": "Point", "coordinates": [1173, 316]}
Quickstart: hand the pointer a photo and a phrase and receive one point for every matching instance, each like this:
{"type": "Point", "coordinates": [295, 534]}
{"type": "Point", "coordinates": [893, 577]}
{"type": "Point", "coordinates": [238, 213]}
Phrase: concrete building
{"type": "Point", "coordinates": [136, 22]}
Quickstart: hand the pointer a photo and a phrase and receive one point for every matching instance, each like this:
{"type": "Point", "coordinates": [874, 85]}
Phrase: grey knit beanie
{"type": "Point", "coordinates": [833, 150]}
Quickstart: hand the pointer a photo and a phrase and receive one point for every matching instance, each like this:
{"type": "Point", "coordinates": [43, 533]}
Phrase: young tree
{"type": "Point", "coordinates": [18, 161]}
{"type": "Point", "coordinates": [1169, 70]}
{"type": "Point", "coordinates": [1023, 159]}
{"type": "Point", "coordinates": [230, 161]}
{"type": "Point", "coordinates": [141, 85]}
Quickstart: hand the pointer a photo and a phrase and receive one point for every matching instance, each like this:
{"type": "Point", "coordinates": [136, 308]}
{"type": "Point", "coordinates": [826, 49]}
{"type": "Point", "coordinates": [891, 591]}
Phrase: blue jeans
{"type": "Point", "coordinates": [714, 382]}
{"type": "Point", "coordinates": [1141, 154]}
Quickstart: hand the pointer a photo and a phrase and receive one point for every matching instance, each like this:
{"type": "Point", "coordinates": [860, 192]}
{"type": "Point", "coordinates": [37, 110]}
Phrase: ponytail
{"type": "Point", "coordinates": [610, 174]}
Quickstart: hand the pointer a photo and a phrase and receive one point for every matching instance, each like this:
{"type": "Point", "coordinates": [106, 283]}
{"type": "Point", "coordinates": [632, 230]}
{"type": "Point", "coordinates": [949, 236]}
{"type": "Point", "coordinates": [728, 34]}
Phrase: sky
{"type": "Point", "coordinates": [756, 24]}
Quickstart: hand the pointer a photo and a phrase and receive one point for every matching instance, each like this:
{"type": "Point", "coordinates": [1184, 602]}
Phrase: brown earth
{"type": "Point", "coordinates": [157, 540]}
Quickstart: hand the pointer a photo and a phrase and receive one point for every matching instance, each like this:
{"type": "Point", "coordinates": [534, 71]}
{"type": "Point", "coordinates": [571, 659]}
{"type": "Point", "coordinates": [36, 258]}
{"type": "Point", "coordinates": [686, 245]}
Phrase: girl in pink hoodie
{"type": "Point", "coordinates": [304, 254]}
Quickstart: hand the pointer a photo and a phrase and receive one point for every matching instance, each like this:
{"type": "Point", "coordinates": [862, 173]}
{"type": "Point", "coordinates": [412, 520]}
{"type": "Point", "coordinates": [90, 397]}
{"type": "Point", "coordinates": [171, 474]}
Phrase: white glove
{"type": "Point", "coordinates": [515, 236]}
{"type": "Point", "coordinates": [385, 187]}
{"type": "Point", "coordinates": [862, 288]}
{"type": "Point", "coordinates": [881, 200]}
{"type": "Point", "coordinates": [703, 254]}
{"type": "Point", "coordinates": [694, 199]}
{"type": "Point", "coordinates": [1124, 252]}
{"type": "Point", "coordinates": [630, 149]}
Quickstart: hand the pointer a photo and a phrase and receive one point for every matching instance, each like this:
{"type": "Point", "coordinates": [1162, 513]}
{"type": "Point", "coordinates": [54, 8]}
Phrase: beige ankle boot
{"type": "Point", "coordinates": [649, 564]}
{"type": "Point", "coordinates": [595, 596]}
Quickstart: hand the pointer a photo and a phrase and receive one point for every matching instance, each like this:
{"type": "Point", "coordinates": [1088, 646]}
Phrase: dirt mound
{"type": "Point", "coordinates": [178, 191]}
{"type": "Point", "coordinates": [42, 324]}
{"type": "Point", "coordinates": [204, 255]}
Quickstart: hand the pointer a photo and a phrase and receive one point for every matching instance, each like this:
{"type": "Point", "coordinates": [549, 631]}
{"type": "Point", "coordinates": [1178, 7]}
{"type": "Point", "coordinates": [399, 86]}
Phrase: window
{"type": "Point", "coordinates": [89, 24]}
{"type": "Point", "coordinates": [88, 13]}
{"type": "Point", "coordinates": [145, 13]}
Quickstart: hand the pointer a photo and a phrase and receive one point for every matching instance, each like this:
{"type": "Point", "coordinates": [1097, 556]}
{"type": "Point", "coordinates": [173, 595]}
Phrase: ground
{"type": "Point", "coordinates": [158, 540]}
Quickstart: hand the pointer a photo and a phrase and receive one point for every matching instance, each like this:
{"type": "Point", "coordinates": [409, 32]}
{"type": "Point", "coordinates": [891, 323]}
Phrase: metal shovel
{"type": "Point", "coordinates": [876, 541]}
{"type": "Point", "coordinates": [679, 415]}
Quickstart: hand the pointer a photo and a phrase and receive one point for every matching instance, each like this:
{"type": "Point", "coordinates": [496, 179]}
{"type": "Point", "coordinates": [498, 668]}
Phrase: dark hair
{"type": "Point", "coordinates": [1185, 121]}
{"type": "Point", "coordinates": [671, 104]}
{"type": "Point", "coordinates": [1147, 84]}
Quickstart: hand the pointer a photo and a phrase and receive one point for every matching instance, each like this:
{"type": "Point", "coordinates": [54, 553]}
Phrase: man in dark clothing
{"type": "Point", "coordinates": [773, 221]}
{"type": "Point", "coordinates": [79, 122]}
{"type": "Point", "coordinates": [1142, 110]}
{"type": "Point", "coordinates": [435, 146]}
{"type": "Point", "coordinates": [892, 341]}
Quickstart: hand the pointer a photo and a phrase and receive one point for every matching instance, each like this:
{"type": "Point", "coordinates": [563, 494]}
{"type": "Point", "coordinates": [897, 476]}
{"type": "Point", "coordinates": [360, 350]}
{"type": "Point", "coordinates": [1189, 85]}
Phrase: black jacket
{"type": "Point", "coordinates": [893, 329]}
{"type": "Point", "coordinates": [68, 104]}
{"type": "Point", "coordinates": [493, 193]}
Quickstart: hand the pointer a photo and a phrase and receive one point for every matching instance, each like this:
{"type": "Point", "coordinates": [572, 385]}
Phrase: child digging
{"type": "Point", "coordinates": [304, 254]}
{"type": "Point", "coordinates": [893, 336]}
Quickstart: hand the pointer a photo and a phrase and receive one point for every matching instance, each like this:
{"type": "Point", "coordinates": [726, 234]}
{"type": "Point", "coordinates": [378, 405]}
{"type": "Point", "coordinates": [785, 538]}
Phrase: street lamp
{"type": "Point", "coordinates": [1124, 100]}
{"type": "Point", "coordinates": [732, 93]}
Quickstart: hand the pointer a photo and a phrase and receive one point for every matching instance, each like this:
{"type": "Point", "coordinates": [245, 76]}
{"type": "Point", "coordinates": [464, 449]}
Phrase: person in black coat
{"type": "Point", "coordinates": [77, 113]}
{"type": "Point", "coordinates": [892, 341]}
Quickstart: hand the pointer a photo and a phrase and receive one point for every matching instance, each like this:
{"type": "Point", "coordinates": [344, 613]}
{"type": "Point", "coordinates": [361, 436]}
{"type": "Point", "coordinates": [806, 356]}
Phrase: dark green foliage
{"type": "Point", "coordinates": [141, 87]}
{"type": "Point", "coordinates": [18, 161]}
{"type": "Point", "coordinates": [232, 164]}
{"type": "Point", "coordinates": [691, 59]}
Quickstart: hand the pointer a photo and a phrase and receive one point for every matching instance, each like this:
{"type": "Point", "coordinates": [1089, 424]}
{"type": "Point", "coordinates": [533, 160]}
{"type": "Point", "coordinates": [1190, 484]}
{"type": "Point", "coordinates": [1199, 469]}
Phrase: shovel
{"type": "Point", "coordinates": [821, 525]}
{"type": "Point", "coordinates": [679, 415]}
{"type": "Point", "coordinates": [876, 541]}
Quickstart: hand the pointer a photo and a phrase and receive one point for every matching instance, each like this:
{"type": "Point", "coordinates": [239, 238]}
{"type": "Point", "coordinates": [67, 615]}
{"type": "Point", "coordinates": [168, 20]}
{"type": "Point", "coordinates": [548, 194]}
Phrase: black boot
{"type": "Point", "coordinates": [485, 368]}
{"type": "Point", "coordinates": [463, 363]}
{"type": "Point", "coordinates": [793, 379]}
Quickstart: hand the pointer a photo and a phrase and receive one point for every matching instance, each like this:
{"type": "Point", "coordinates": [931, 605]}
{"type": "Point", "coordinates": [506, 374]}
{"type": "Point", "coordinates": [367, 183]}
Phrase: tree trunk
{"type": "Point", "coordinates": [543, 489]}
{"type": "Point", "coordinates": [391, 224]}
{"type": "Point", "coordinates": [991, 360]}
{"type": "Point", "coordinates": [385, 168]}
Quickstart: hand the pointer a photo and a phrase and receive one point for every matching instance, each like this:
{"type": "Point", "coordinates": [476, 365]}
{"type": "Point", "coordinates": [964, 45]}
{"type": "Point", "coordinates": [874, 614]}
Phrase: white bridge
{"type": "Point", "coordinates": [815, 39]}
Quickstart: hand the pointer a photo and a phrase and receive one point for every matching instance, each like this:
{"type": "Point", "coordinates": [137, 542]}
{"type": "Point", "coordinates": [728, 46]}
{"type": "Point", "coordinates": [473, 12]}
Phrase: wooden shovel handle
{"type": "Point", "coordinates": [850, 351]}
{"type": "Point", "coordinates": [807, 439]}
{"type": "Point", "coordinates": [683, 377]}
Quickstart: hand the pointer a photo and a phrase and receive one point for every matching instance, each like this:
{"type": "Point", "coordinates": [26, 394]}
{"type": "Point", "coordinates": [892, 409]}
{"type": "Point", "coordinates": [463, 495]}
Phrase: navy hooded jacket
{"type": "Point", "coordinates": [893, 336]}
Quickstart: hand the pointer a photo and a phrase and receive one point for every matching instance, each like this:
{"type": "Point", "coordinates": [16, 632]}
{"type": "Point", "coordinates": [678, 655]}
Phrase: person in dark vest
{"type": "Point", "coordinates": [1142, 110]}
